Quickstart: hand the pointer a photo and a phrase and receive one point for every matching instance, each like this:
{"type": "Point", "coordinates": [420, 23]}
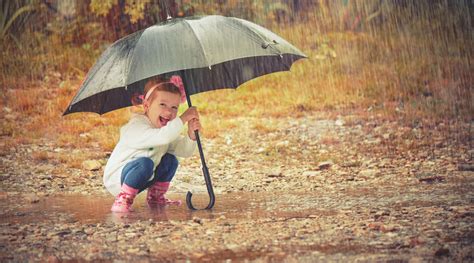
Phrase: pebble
{"type": "Point", "coordinates": [368, 173]}
{"type": "Point", "coordinates": [325, 165]}
{"type": "Point", "coordinates": [441, 252]}
{"type": "Point", "coordinates": [91, 165]}
{"type": "Point", "coordinates": [311, 173]}
{"type": "Point", "coordinates": [31, 198]}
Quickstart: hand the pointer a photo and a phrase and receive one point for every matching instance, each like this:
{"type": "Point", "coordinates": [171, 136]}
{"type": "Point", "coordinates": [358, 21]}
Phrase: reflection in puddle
{"type": "Point", "coordinates": [96, 209]}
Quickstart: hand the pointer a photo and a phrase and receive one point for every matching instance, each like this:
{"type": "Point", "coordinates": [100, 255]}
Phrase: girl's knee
{"type": "Point", "coordinates": [140, 167]}
{"type": "Point", "coordinates": [170, 160]}
{"type": "Point", "coordinates": [146, 163]}
{"type": "Point", "coordinates": [137, 173]}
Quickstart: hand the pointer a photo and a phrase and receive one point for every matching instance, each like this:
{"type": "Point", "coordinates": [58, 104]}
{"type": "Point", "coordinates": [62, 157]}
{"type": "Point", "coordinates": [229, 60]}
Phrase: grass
{"type": "Point", "coordinates": [414, 75]}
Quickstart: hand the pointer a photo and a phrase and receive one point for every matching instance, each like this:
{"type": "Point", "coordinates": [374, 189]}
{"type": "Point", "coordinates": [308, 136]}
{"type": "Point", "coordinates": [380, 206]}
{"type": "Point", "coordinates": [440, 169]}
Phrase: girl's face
{"type": "Point", "coordinates": [163, 108]}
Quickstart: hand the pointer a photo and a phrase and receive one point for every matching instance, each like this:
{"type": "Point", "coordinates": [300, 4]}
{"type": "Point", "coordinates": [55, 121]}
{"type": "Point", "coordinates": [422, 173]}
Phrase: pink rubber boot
{"type": "Point", "coordinates": [156, 195]}
{"type": "Point", "coordinates": [124, 200]}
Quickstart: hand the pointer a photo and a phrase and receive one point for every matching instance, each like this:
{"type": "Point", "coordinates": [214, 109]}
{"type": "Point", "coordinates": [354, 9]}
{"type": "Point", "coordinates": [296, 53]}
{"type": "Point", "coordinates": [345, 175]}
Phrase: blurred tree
{"type": "Point", "coordinates": [168, 9]}
{"type": "Point", "coordinates": [13, 16]}
{"type": "Point", "coordinates": [122, 17]}
{"type": "Point", "coordinates": [299, 8]}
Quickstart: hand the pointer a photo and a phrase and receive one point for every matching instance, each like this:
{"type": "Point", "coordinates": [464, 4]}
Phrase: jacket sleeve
{"type": "Point", "coordinates": [182, 147]}
{"type": "Point", "coordinates": [140, 134]}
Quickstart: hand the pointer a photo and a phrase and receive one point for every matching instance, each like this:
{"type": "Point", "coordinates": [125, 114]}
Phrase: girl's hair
{"type": "Point", "coordinates": [155, 83]}
{"type": "Point", "coordinates": [161, 84]}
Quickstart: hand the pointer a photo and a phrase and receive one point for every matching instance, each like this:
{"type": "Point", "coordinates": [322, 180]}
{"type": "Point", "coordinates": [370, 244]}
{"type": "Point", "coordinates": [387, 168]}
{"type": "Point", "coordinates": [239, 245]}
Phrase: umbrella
{"type": "Point", "coordinates": [208, 52]}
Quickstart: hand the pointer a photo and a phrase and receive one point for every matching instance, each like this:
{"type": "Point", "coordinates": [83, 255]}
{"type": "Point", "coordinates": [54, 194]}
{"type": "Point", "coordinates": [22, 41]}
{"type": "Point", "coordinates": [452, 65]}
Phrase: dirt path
{"type": "Point", "coordinates": [306, 189]}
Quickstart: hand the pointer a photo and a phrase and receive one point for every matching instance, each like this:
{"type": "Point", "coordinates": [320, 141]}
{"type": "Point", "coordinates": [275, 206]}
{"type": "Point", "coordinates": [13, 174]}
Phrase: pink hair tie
{"type": "Point", "coordinates": [178, 82]}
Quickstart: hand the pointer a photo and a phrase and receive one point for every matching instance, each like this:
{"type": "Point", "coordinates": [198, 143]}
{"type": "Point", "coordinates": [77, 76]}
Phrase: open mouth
{"type": "Point", "coordinates": [163, 121]}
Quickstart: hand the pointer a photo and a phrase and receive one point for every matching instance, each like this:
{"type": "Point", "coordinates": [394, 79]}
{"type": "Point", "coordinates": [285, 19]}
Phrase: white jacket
{"type": "Point", "coordinates": [139, 138]}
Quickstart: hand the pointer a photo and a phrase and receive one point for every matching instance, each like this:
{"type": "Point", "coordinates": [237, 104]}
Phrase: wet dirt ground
{"type": "Point", "coordinates": [348, 224]}
{"type": "Point", "coordinates": [363, 190]}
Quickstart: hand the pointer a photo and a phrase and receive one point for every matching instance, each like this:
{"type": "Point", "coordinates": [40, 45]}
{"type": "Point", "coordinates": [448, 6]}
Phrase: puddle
{"type": "Point", "coordinates": [263, 205]}
{"type": "Point", "coordinates": [96, 209]}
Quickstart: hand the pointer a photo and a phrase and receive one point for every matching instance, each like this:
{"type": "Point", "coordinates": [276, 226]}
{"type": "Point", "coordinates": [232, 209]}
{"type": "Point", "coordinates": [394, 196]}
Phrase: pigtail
{"type": "Point", "coordinates": [137, 99]}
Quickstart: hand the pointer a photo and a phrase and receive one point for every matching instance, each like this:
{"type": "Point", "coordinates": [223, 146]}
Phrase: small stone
{"type": "Point", "coordinates": [91, 165]}
{"type": "Point", "coordinates": [275, 174]}
{"type": "Point", "coordinates": [339, 122]}
{"type": "Point", "coordinates": [325, 165]}
{"type": "Point", "coordinates": [432, 179]}
{"type": "Point", "coordinates": [89, 231]}
{"type": "Point", "coordinates": [350, 164]}
{"type": "Point", "coordinates": [282, 144]}
{"type": "Point", "coordinates": [156, 248]}
{"type": "Point", "coordinates": [391, 234]}
{"type": "Point", "coordinates": [368, 173]}
{"type": "Point", "coordinates": [379, 214]}
{"type": "Point", "coordinates": [416, 260]}
{"type": "Point", "coordinates": [31, 198]}
{"type": "Point", "coordinates": [388, 228]}
{"type": "Point", "coordinates": [228, 140]}
{"type": "Point", "coordinates": [85, 135]}
{"type": "Point", "coordinates": [416, 241]}
{"type": "Point", "coordinates": [111, 238]}
{"type": "Point", "coordinates": [466, 167]}
{"type": "Point", "coordinates": [133, 250]}
{"type": "Point", "coordinates": [197, 220]}
{"type": "Point", "coordinates": [442, 252]}
{"type": "Point", "coordinates": [130, 234]}
{"type": "Point", "coordinates": [232, 246]}
{"type": "Point", "coordinates": [52, 259]}
{"type": "Point", "coordinates": [198, 254]}
{"type": "Point", "coordinates": [375, 226]}
{"type": "Point", "coordinates": [311, 173]}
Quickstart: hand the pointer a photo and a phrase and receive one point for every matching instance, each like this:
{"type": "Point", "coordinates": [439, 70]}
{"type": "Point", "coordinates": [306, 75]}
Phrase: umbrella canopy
{"type": "Point", "coordinates": [209, 52]}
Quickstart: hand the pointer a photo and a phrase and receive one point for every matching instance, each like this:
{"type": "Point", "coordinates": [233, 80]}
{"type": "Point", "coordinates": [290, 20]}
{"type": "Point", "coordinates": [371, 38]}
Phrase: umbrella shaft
{"type": "Point", "coordinates": [201, 152]}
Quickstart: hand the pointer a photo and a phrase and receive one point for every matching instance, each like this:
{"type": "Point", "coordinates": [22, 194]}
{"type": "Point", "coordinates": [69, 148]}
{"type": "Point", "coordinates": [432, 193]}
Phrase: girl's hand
{"type": "Point", "coordinates": [193, 125]}
{"type": "Point", "coordinates": [189, 114]}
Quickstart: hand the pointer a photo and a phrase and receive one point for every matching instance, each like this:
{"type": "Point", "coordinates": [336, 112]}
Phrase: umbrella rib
{"type": "Point", "coordinates": [255, 35]}
{"type": "Point", "coordinates": [186, 22]}
{"type": "Point", "coordinates": [130, 57]}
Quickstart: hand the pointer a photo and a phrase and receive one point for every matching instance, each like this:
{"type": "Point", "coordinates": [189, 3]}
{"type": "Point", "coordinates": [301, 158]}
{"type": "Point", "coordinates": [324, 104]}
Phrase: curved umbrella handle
{"type": "Point", "coordinates": [207, 178]}
{"type": "Point", "coordinates": [189, 203]}
{"type": "Point", "coordinates": [205, 171]}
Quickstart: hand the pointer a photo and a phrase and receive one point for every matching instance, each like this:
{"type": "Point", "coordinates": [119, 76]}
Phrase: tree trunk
{"type": "Point", "coordinates": [168, 8]}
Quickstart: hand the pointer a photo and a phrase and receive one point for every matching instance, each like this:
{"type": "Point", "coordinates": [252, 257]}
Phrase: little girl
{"type": "Point", "coordinates": [145, 156]}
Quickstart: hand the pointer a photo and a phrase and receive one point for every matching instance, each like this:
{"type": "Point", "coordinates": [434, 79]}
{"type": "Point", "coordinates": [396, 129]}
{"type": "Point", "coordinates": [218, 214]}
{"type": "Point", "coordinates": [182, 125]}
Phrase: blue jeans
{"type": "Point", "coordinates": [137, 173]}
